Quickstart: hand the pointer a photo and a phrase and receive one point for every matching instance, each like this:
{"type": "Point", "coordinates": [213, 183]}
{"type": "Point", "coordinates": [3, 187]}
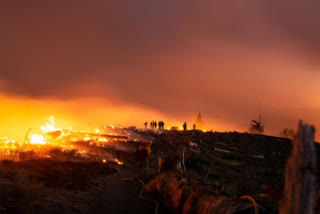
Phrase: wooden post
{"type": "Point", "coordinates": [147, 162]}
{"type": "Point", "coordinates": [182, 162]}
{"type": "Point", "coordinates": [159, 165]}
{"type": "Point", "coordinates": [207, 173]}
{"type": "Point", "coordinates": [300, 177]}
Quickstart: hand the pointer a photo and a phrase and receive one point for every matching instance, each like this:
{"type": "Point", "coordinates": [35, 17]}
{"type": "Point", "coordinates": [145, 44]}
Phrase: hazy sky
{"type": "Point", "coordinates": [229, 60]}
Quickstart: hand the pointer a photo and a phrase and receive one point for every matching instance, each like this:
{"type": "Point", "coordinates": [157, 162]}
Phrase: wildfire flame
{"type": "Point", "coordinates": [50, 126]}
{"type": "Point", "coordinates": [65, 139]}
{"type": "Point", "coordinates": [37, 139]}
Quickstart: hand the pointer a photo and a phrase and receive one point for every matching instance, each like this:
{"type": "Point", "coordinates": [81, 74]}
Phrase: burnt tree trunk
{"type": "Point", "coordinates": [300, 177]}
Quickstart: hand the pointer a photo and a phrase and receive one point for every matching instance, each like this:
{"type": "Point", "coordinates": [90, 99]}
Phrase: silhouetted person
{"type": "Point", "coordinates": [151, 124]}
{"type": "Point", "coordinates": [161, 125]}
{"type": "Point", "coordinates": [146, 125]}
{"type": "Point", "coordinates": [155, 124]}
{"type": "Point", "coordinates": [185, 126]}
{"type": "Point", "coordinates": [194, 126]}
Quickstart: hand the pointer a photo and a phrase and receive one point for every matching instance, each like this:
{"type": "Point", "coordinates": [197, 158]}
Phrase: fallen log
{"type": "Point", "coordinates": [108, 136]}
{"type": "Point", "coordinates": [186, 198]}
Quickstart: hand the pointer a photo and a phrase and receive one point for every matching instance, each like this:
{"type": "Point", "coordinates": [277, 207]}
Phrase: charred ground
{"type": "Point", "coordinates": [238, 164]}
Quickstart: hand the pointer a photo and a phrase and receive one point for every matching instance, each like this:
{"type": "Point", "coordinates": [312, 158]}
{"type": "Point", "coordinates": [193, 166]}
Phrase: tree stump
{"type": "Point", "coordinates": [300, 177]}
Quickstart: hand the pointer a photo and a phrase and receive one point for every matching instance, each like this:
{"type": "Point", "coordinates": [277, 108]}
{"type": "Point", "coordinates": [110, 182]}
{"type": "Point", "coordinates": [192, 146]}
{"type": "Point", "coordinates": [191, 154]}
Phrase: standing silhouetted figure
{"type": "Point", "coordinates": [194, 126]}
{"type": "Point", "coordinates": [155, 124]}
{"type": "Point", "coordinates": [161, 125]}
{"type": "Point", "coordinates": [185, 126]}
{"type": "Point", "coordinates": [146, 125]}
{"type": "Point", "coordinates": [151, 124]}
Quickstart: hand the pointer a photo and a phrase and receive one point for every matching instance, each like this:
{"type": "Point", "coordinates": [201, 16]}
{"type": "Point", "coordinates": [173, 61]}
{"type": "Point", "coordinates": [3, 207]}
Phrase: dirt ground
{"type": "Point", "coordinates": [121, 197]}
{"type": "Point", "coordinates": [241, 164]}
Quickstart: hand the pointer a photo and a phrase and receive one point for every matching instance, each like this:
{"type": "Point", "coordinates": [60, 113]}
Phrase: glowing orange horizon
{"type": "Point", "coordinates": [19, 114]}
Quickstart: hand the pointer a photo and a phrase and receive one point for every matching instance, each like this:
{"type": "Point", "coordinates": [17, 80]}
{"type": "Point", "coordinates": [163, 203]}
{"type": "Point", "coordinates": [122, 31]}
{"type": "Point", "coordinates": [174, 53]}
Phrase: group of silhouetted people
{"type": "Point", "coordinates": [185, 126]}
{"type": "Point", "coordinates": [154, 124]}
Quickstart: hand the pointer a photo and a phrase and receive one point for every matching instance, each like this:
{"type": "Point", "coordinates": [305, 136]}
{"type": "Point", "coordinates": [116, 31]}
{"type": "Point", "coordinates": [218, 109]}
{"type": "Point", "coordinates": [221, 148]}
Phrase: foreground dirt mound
{"type": "Point", "coordinates": [46, 186]}
{"type": "Point", "coordinates": [66, 174]}
{"type": "Point", "coordinates": [194, 198]}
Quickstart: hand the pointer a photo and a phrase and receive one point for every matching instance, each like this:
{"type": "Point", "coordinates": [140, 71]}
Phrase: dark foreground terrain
{"type": "Point", "coordinates": [230, 164]}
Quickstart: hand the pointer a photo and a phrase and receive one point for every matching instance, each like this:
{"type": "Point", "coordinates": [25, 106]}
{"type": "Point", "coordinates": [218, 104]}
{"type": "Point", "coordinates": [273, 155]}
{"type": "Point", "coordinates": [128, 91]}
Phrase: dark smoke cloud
{"type": "Point", "coordinates": [223, 58]}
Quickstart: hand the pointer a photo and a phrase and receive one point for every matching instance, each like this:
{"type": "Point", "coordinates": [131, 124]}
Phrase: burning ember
{"type": "Point", "coordinates": [118, 162]}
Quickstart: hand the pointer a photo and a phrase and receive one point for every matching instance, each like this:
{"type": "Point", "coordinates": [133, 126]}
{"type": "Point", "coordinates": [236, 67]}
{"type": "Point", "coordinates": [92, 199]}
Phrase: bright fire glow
{"type": "Point", "coordinates": [37, 139]}
{"type": "Point", "coordinates": [101, 139]}
{"type": "Point", "coordinates": [49, 126]}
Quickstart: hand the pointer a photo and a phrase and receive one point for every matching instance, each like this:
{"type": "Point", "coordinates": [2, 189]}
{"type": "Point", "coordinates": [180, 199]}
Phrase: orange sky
{"type": "Point", "coordinates": [127, 62]}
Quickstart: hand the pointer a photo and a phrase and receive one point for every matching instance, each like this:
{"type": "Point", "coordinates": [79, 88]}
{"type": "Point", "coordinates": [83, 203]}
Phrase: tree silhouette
{"type": "Point", "coordinates": [256, 126]}
{"type": "Point", "coordinates": [288, 133]}
{"type": "Point", "coordinates": [199, 122]}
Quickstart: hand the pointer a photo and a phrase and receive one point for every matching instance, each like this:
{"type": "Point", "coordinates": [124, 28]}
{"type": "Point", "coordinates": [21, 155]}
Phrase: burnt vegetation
{"type": "Point", "coordinates": [202, 165]}
{"type": "Point", "coordinates": [230, 164]}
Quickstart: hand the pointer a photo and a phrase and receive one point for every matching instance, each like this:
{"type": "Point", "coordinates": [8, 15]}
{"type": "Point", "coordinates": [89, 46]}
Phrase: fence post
{"type": "Point", "coordinates": [300, 176]}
